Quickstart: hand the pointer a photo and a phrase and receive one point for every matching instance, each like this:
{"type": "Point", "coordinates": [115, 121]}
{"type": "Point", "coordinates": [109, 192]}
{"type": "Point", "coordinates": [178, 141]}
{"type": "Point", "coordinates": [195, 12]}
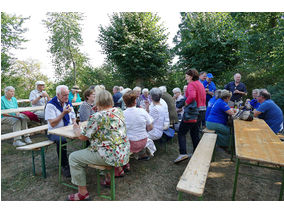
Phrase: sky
{"type": "Point", "coordinates": [97, 13]}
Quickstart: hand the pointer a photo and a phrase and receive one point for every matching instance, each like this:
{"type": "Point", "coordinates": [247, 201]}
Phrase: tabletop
{"type": "Point", "coordinates": [22, 109]}
{"type": "Point", "coordinates": [66, 131]}
{"type": "Point", "coordinates": [23, 100]}
{"type": "Point", "coordinates": [254, 140]}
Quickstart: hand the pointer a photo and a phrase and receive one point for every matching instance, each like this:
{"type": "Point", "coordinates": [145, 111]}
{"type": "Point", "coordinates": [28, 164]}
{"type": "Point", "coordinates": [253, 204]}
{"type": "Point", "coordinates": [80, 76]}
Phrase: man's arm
{"type": "Point", "coordinates": [54, 122]}
{"type": "Point", "coordinates": [256, 113]}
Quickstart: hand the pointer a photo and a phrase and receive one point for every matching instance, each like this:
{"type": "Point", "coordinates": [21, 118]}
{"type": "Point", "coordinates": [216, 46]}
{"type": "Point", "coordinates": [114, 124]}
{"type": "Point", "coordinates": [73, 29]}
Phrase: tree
{"type": "Point", "coordinates": [209, 42]}
{"type": "Point", "coordinates": [11, 38]}
{"type": "Point", "coordinates": [64, 42]}
{"type": "Point", "coordinates": [137, 46]}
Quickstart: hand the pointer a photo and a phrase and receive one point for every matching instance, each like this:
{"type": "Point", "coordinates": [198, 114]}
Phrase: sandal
{"type": "Point", "coordinates": [118, 173]}
{"type": "Point", "coordinates": [126, 167]}
{"type": "Point", "coordinates": [78, 197]}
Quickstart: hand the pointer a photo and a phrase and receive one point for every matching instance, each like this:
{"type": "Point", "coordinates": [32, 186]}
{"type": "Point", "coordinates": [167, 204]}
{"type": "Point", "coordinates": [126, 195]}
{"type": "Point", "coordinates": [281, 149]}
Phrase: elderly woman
{"type": "Point", "coordinates": [137, 122]}
{"type": "Point", "coordinates": [177, 97]}
{"type": "Point", "coordinates": [158, 112]}
{"type": "Point", "coordinates": [145, 98]}
{"type": "Point", "coordinates": [106, 131]}
{"type": "Point", "coordinates": [137, 91]}
{"type": "Point", "coordinates": [86, 109]}
{"type": "Point", "coordinates": [18, 121]}
{"type": "Point", "coordinates": [218, 117]}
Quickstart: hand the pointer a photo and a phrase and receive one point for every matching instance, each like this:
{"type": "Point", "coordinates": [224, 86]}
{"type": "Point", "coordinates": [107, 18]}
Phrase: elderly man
{"type": "Point", "coordinates": [59, 112]}
{"type": "Point", "coordinates": [269, 111]}
{"type": "Point", "coordinates": [237, 88]}
{"type": "Point", "coordinates": [39, 97]}
{"type": "Point", "coordinates": [137, 91]}
{"type": "Point", "coordinates": [116, 96]}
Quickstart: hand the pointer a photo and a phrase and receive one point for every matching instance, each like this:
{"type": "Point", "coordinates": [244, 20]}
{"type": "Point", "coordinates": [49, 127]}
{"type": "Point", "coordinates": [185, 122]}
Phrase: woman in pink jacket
{"type": "Point", "coordinates": [195, 92]}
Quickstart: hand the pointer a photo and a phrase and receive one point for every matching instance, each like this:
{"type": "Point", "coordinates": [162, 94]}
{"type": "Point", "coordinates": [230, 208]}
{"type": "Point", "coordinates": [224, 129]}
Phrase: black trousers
{"type": "Point", "coordinates": [64, 158]}
{"type": "Point", "coordinates": [194, 133]}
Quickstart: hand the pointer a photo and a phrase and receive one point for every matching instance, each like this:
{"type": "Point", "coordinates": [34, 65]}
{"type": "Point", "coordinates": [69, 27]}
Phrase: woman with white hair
{"type": "Point", "coordinates": [137, 91]}
{"type": "Point", "coordinates": [17, 120]}
{"type": "Point", "coordinates": [177, 97]}
{"type": "Point", "coordinates": [145, 98]}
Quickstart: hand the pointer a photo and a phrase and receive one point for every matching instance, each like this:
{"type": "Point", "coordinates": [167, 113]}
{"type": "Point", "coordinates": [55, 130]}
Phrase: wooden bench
{"type": "Point", "coordinates": [194, 177]}
{"type": "Point", "coordinates": [205, 130]}
{"type": "Point", "coordinates": [112, 180]}
{"type": "Point", "coordinates": [40, 146]}
{"type": "Point", "coordinates": [24, 132]}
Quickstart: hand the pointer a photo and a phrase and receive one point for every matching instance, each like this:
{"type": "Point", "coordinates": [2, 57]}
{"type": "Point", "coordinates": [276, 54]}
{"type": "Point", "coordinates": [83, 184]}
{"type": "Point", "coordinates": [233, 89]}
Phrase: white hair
{"type": "Point", "coordinates": [145, 90]}
{"type": "Point", "coordinates": [137, 89]}
{"type": "Point", "coordinates": [163, 89]}
{"type": "Point", "coordinates": [59, 89]}
{"type": "Point", "coordinates": [176, 90]}
{"type": "Point", "coordinates": [8, 88]}
{"type": "Point", "coordinates": [125, 91]}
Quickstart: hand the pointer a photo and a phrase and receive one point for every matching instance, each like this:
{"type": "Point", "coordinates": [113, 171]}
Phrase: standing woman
{"type": "Point", "coordinates": [195, 94]}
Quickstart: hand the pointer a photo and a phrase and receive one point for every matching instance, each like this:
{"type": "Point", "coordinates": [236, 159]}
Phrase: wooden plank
{"type": "Point", "coordinates": [66, 131]}
{"type": "Point", "coordinates": [22, 109]}
{"type": "Point", "coordinates": [254, 140]}
{"type": "Point", "coordinates": [205, 130]}
{"type": "Point", "coordinates": [194, 176]}
{"type": "Point", "coordinates": [35, 145]}
{"type": "Point", "coordinates": [23, 100]}
{"type": "Point", "coordinates": [77, 103]}
{"type": "Point", "coordinates": [24, 132]}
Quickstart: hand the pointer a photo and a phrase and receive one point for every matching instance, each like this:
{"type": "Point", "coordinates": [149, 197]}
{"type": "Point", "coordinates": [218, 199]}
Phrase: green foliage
{"type": "Point", "coordinates": [22, 76]}
{"type": "Point", "coordinates": [209, 42]}
{"type": "Point", "coordinates": [64, 41]}
{"type": "Point", "coordinates": [11, 38]}
{"type": "Point", "coordinates": [277, 94]}
{"type": "Point", "coordinates": [136, 44]}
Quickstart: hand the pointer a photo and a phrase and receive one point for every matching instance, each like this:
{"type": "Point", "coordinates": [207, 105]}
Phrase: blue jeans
{"type": "Point", "coordinates": [194, 133]}
{"type": "Point", "coordinates": [223, 132]}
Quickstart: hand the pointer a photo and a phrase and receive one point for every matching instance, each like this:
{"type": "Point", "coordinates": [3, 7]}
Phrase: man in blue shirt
{"type": "Point", "coordinates": [210, 87]}
{"type": "Point", "coordinates": [269, 111]}
{"type": "Point", "coordinates": [237, 88]}
{"type": "Point", "coordinates": [116, 96]}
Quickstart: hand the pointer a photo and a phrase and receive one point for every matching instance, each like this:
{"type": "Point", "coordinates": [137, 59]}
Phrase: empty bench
{"type": "Point", "coordinates": [194, 177]}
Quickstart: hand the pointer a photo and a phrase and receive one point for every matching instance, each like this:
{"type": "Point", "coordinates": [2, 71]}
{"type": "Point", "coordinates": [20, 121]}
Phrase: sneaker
{"type": "Point", "coordinates": [28, 140]}
{"type": "Point", "coordinates": [181, 158]}
{"type": "Point", "coordinates": [18, 143]}
{"type": "Point", "coordinates": [66, 171]}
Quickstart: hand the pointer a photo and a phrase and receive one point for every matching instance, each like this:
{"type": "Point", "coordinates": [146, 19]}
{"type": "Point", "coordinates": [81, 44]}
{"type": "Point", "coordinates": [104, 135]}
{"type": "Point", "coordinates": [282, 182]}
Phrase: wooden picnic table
{"type": "Point", "coordinates": [35, 108]}
{"type": "Point", "coordinates": [256, 142]}
{"type": "Point", "coordinates": [23, 101]}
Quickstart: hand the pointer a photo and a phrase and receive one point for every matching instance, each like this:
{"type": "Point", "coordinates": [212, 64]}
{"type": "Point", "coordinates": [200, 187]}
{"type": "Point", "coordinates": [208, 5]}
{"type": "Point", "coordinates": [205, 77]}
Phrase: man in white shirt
{"type": "Point", "coordinates": [59, 113]}
{"type": "Point", "coordinates": [39, 97]}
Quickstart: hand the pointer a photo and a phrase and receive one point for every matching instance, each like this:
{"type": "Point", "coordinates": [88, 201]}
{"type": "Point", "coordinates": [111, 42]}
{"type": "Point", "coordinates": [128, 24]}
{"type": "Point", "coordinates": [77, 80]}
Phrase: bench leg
{"type": "Point", "coordinates": [200, 198]}
{"type": "Point", "coordinates": [43, 170]}
{"type": "Point", "coordinates": [282, 188]}
{"type": "Point", "coordinates": [236, 179]}
{"type": "Point", "coordinates": [112, 184]}
{"type": "Point", "coordinates": [33, 160]}
{"type": "Point", "coordinates": [98, 182]}
{"type": "Point", "coordinates": [180, 196]}
{"type": "Point", "coordinates": [59, 161]}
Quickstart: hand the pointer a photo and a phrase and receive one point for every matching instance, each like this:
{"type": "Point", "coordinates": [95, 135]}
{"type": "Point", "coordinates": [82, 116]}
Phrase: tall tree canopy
{"type": "Point", "coordinates": [137, 45]}
{"type": "Point", "coordinates": [64, 41]}
{"type": "Point", "coordinates": [12, 31]}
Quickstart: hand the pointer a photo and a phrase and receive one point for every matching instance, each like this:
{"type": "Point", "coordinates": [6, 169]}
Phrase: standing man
{"type": "Point", "coordinates": [116, 96]}
{"type": "Point", "coordinates": [39, 97]}
{"type": "Point", "coordinates": [210, 87]}
{"type": "Point", "coordinates": [269, 111]}
{"type": "Point", "coordinates": [202, 77]}
{"type": "Point", "coordinates": [137, 91]}
{"type": "Point", "coordinates": [58, 113]}
{"type": "Point", "coordinates": [237, 88]}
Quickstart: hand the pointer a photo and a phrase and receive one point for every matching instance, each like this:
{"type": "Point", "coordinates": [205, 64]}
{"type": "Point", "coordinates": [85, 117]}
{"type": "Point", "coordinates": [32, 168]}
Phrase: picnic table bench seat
{"type": "Point", "coordinates": [194, 177]}
{"type": "Point", "coordinates": [205, 130]}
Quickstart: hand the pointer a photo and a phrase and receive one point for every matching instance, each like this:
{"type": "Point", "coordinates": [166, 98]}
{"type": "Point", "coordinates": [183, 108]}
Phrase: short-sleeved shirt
{"type": "Point", "coordinates": [159, 115]}
{"type": "Point", "coordinates": [85, 111]}
{"type": "Point", "coordinates": [212, 88]}
{"type": "Point", "coordinates": [6, 104]}
{"type": "Point", "coordinates": [51, 112]}
{"type": "Point", "coordinates": [106, 131]}
{"type": "Point", "coordinates": [232, 87]}
{"type": "Point", "coordinates": [271, 114]}
{"type": "Point", "coordinates": [218, 112]}
{"type": "Point", "coordinates": [209, 107]}
{"type": "Point", "coordinates": [254, 103]}
{"type": "Point", "coordinates": [136, 120]}
{"type": "Point", "coordinates": [34, 95]}
{"type": "Point", "coordinates": [71, 96]}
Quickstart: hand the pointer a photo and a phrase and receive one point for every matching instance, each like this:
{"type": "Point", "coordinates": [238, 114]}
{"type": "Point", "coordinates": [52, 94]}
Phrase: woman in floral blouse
{"type": "Point", "coordinates": [109, 145]}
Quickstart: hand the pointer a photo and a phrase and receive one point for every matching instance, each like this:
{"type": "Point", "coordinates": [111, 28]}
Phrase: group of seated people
{"type": "Point", "coordinates": [129, 122]}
